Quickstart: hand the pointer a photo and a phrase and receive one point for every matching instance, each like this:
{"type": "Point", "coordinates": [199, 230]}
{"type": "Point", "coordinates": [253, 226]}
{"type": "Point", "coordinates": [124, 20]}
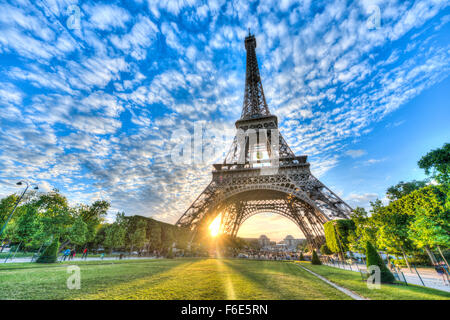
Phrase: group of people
{"type": "Point", "coordinates": [268, 255]}
{"type": "Point", "coordinates": [69, 254]}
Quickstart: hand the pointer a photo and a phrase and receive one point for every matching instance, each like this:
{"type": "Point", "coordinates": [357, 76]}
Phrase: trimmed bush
{"type": "Point", "coordinates": [373, 258]}
{"type": "Point", "coordinates": [50, 254]}
{"type": "Point", "coordinates": [302, 258]}
{"type": "Point", "coordinates": [315, 258]}
{"type": "Point", "coordinates": [336, 235]}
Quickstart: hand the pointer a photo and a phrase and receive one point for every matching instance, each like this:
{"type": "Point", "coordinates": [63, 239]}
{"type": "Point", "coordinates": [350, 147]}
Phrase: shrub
{"type": "Point", "coordinates": [315, 258]}
{"type": "Point", "coordinates": [50, 254]}
{"type": "Point", "coordinates": [337, 233]}
{"type": "Point", "coordinates": [373, 258]}
{"type": "Point", "coordinates": [302, 258]}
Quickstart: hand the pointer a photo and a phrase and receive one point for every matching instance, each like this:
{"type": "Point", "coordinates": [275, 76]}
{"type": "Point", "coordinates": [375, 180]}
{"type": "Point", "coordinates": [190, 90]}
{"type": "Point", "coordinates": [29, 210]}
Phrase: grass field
{"type": "Point", "coordinates": [174, 279]}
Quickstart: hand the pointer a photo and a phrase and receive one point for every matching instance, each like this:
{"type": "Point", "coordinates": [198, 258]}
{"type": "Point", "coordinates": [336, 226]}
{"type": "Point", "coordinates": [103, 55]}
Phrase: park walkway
{"type": "Point", "coordinates": [428, 277]}
{"type": "Point", "coordinates": [342, 289]}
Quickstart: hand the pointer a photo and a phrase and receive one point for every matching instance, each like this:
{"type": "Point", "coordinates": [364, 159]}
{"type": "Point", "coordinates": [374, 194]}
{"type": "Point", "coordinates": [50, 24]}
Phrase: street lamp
{"type": "Point", "coordinates": [17, 203]}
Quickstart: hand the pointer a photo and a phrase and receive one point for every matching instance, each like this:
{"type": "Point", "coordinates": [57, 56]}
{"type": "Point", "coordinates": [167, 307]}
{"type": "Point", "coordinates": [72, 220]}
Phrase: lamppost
{"type": "Point", "coordinates": [17, 203]}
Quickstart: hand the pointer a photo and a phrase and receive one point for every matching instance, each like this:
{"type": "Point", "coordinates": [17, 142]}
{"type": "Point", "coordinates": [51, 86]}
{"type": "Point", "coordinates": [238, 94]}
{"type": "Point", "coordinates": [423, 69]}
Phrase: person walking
{"type": "Point", "coordinates": [65, 254]}
{"type": "Point", "coordinates": [72, 254]}
{"type": "Point", "coordinates": [84, 255]}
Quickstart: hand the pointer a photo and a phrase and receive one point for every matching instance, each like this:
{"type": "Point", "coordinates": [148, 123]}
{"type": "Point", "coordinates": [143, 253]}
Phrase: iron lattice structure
{"type": "Point", "coordinates": [262, 174]}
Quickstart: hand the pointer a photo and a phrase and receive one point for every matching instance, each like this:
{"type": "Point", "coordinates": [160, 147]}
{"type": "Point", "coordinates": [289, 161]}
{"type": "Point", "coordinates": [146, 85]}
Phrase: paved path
{"type": "Point", "coordinates": [429, 277]}
{"type": "Point", "coordinates": [342, 289]}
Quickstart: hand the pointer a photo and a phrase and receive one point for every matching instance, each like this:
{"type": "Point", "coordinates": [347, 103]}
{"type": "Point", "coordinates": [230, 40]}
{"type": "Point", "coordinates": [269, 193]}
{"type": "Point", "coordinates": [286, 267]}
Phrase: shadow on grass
{"type": "Point", "coordinates": [49, 281]}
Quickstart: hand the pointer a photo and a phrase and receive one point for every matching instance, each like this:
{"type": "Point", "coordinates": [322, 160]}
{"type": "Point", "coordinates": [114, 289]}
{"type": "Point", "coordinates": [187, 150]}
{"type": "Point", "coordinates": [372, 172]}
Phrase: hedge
{"type": "Point", "coordinates": [50, 254]}
{"type": "Point", "coordinates": [373, 258]}
{"type": "Point", "coordinates": [336, 234]}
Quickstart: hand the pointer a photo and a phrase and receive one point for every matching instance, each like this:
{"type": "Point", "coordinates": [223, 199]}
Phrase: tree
{"type": "Point", "coordinates": [55, 216]}
{"type": "Point", "coordinates": [365, 229]}
{"type": "Point", "coordinates": [50, 254]}
{"type": "Point", "coordinates": [315, 258]}
{"type": "Point", "coordinates": [301, 258]}
{"type": "Point", "coordinates": [115, 233]}
{"type": "Point", "coordinates": [78, 232]}
{"type": "Point", "coordinates": [26, 226]}
{"type": "Point", "coordinates": [374, 259]}
{"type": "Point", "coordinates": [402, 189]}
{"type": "Point", "coordinates": [430, 227]}
{"type": "Point", "coordinates": [6, 206]}
{"type": "Point", "coordinates": [392, 230]}
{"type": "Point", "coordinates": [437, 164]}
{"type": "Point", "coordinates": [92, 216]}
{"type": "Point", "coordinates": [325, 250]}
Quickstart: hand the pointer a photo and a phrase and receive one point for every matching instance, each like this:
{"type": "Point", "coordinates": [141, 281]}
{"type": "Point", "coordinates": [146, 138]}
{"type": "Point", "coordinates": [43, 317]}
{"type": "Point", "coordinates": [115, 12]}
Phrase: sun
{"type": "Point", "coordinates": [214, 227]}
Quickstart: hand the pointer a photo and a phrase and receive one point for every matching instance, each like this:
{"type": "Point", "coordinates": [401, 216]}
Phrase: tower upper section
{"type": "Point", "coordinates": [255, 105]}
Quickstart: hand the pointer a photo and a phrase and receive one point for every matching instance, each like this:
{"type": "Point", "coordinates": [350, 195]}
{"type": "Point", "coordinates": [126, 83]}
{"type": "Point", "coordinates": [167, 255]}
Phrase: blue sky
{"type": "Point", "coordinates": [91, 108]}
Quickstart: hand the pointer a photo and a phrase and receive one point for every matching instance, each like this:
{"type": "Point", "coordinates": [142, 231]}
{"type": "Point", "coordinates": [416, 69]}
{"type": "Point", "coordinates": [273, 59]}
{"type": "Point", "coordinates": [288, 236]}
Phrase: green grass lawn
{"type": "Point", "coordinates": [352, 281]}
{"type": "Point", "coordinates": [165, 279]}
{"type": "Point", "coordinates": [189, 279]}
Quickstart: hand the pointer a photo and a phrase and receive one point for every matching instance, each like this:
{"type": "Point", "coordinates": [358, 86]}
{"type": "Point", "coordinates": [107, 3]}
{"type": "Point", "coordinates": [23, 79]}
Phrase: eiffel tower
{"type": "Point", "coordinates": [262, 174]}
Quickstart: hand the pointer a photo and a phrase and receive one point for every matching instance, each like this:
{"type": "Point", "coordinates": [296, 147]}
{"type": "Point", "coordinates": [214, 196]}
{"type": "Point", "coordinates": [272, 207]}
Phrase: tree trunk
{"type": "Point", "coordinates": [406, 259]}
{"type": "Point", "coordinates": [63, 245]}
{"type": "Point", "coordinates": [431, 255]}
{"type": "Point", "coordinates": [445, 260]}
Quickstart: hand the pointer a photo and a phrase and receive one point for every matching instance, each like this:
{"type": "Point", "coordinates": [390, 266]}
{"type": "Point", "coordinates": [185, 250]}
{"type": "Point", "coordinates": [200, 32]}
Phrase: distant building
{"type": "Point", "coordinates": [264, 241]}
{"type": "Point", "coordinates": [291, 242]}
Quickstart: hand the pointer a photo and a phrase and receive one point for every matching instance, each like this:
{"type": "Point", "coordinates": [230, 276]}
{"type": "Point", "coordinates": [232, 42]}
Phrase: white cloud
{"type": "Point", "coordinates": [107, 17]}
{"type": "Point", "coordinates": [136, 42]}
{"type": "Point", "coordinates": [356, 153]}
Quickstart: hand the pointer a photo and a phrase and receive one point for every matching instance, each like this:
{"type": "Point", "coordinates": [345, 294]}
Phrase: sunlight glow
{"type": "Point", "coordinates": [214, 227]}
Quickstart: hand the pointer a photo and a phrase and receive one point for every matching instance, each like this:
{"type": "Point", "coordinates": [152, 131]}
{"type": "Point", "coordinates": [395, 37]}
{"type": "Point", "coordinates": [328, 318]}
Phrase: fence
{"type": "Point", "coordinates": [427, 277]}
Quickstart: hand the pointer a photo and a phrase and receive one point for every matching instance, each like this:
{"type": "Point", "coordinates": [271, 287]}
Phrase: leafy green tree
{"type": "Point", "coordinates": [78, 232]}
{"type": "Point", "coordinates": [55, 216]}
{"type": "Point", "coordinates": [402, 189]}
{"type": "Point", "coordinates": [437, 163]}
{"type": "Point", "coordinates": [93, 215]}
{"type": "Point", "coordinates": [365, 229]}
{"type": "Point", "coordinates": [415, 220]}
{"type": "Point", "coordinates": [115, 233]}
{"type": "Point", "coordinates": [6, 207]}
{"type": "Point", "coordinates": [315, 258]}
{"type": "Point", "coordinates": [26, 225]}
{"type": "Point", "coordinates": [374, 259]}
{"type": "Point", "coordinates": [392, 230]}
{"type": "Point", "coordinates": [430, 226]}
